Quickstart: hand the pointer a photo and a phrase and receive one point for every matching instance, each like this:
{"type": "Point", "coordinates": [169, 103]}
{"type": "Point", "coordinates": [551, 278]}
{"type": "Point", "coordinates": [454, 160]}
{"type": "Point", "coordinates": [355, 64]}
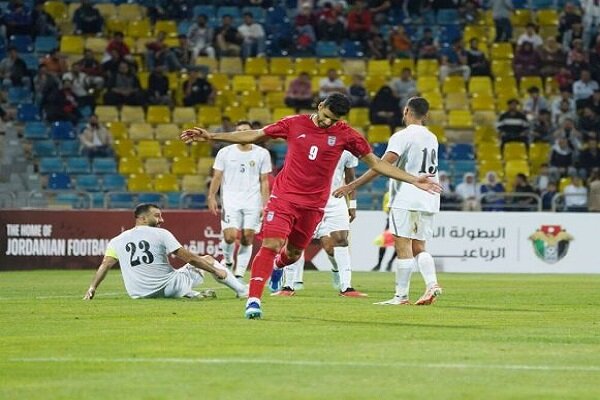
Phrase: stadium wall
{"type": "Point", "coordinates": [494, 242]}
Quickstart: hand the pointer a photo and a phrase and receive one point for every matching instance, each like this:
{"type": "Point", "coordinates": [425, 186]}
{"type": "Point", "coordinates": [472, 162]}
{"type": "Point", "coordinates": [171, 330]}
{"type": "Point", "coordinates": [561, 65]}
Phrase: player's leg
{"type": "Point", "coordinates": [299, 273]}
{"type": "Point", "coordinates": [289, 276]}
{"type": "Point", "coordinates": [288, 255]}
{"type": "Point", "coordinates": [230, 224]}
{"type": "Point", "coordinates": [327, 244]}
{"type": "Point", "coordinates": [244, 253]}
{"type": "Point", "coordinates": [425, 262]}
{"type": "Point", "coordinates": [240, 289]}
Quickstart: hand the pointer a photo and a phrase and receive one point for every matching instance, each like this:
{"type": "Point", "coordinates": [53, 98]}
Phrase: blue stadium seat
{"type": "Point", "coordinates": [68, 148]}
{"type": "Point", "coordinates": [194, 201]}
{"type": "Point", "coordinates": [155, 198]}
{"type": "Point", "coordinates": [18, 95]}
{"type": "Point", "coordinates": [276, 15]}
{"type": "Point", "coordinates": [540, 4]}
{"type": "Point", "coordinates": [28, 112]}
{"type": "Point", "coordinates": [379, 149]}
{"type": "Point", "coordinates": [443, 165]}
{"type": "Point", "coordinates": [327, 49]}
{"type": "Point", "coordinates": [35, 131]}
{"type": "Point", "coordinates": [447, 16]}
{"type": "Point", "coordinates": [361, 168]}
{"type": "Point", "coordinates": [62, 130]}
{"type": "Point", "coordinates": [257, 12]}
{"type": "Point", "coordinates": [114, 183]}
{"type": "Point", "coordinates": [23, 43]}
{"type": "Point", "coordinates": [31, 61]}
{"type": "Point", "coordinates": [364, 200]}
{"type": "Point", "coordinates": [78, 165]}
{"type": "Point", "coordinates": [59, 181]}
{"type": "Point", "coordinates": [462, 151]}
{"type": "Point", "coordinates": [207, 10]}
{"type": "Point", "coordinates": [173, 199]}
{"type": "Point", "coordinates": [45, 44]}
{"type": "Point", "coordinates": [380, 184]}
{"type": "Point", "coordinates": [44, 148]}
{"type": "Point", "coordinates": [104, 165]}
{"type": "Point", "coordinates": [459, 168]}
{"type": "Point", "coordinates": [448, 34]}
{"type": "Point", "coordinates": [183, 27]}
{"type": "Point", "coordinates": [88, 183]}
{"type": "Point", "coordinates": [442, 152]}
{"type": "Point", "coordinates": [120, 200]}
{"type": "Point", "coordinates": [232, 11]}
{"type": "Point", "coordinates": [351, 49]}
{"type": "Point", "coordinates": [72, 199]}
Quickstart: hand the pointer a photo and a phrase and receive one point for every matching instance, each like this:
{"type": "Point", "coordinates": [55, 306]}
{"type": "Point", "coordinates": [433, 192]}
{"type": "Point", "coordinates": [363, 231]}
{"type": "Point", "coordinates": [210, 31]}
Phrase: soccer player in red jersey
{"type": "Point", "coordinates": [302, 187]}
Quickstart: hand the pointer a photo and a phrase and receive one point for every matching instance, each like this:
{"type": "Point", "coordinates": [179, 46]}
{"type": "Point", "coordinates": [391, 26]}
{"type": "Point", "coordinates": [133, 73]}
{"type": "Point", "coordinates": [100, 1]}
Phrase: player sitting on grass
{"type": "Point", "coordinates": [143, 254]}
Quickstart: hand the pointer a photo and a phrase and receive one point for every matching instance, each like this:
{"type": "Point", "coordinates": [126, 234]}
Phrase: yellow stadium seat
{"type": "Point", "coordinates": [57, 9]}
{"type": "Point", "coordinates": [226, 98]}
{"type": "Point", "coordinates": [502, 51]}
{"type": "Point", "coordinates": [219, 81]}
{"type": "Point", "coordinates": [325, 64]}
{"type": "Point", "coordinates": [140, 44]}
{"type": "Point", "coordinates": [139, 182]}
{"type": "Point", "coordinates": [183, 166]}
{"type": "Point", "coordinates": [502, 68]}
{"type": "Point", "coordinates": [521, 17]}
{"type": "Point", "coordinates": [307, 64]}
{"type": "Point", "coordinates": [143, 78]}
{"type": "Point", "coordinates": [439, 132]}
{"type": "Point", "coordinates": [359, 117]}
{"type": "Point", "coordinates": [454, 84]}
{"type": "Point", "coordinates": [211, 63]}
{"type": "Point", "coordinates": [507, 86]}
{"type": "Point", "coordinates": [166, 26]}
{"type": "Point", "coordinates": [314, 83]}
{"type": "Point", "coordinates": [71, 44]}
{"type": "Point", "coordinates": [379, 67]}
{"type": "Point", "coordinates": [460, 119]}
{"type": "Point", "coordinates": [96, 44]}
{"type": "Point", "coordinates": [514, 167]}
{"type": "Point", "coordinates": [131, 12]}
{"type": "Point", "coordinates": [174, 148]}
{"type": "Point", "coordinates": [374, 82]}
{"type": "Point", "coordinates": [485, 134]}
{"type": "Point", "coordinates": [281, 66]}
{"type": "Point", "coordinates": [155, 166]}
{"type": "Point", "coordinates": [456, 101]}
{"type": "Point", "coordinates": [131, 114]}
{"type": "Point", "coordinates": [548, 30]}
{"type": "Point", "coordinates": [261, 114]}
{"type": "Point", "coordinates": [107, 10]}
{"type": "Point", "coordinates": [231, 66]}
{"type": "Point", "coordinates": [488, 151]}
{"type": "Point", "coordinates": [193, 184]}
{"type": "Point", "coordinates": [148, 148]}
{"type": "Point", "coordinates": [256, 66]}
{"type": "Point", "coordinates": [209, 115]}
{"type": "Point", "coordinates": [182, 115]}
{"type": "Point", "coordinates": [552, 87]}
{"type": "Point", "coordinates": [528, 81]}
{"type": "Point", "coordinates": [427, 67]}
{"type": "Point", "coordinates": [435, 99]}
{"type": "Point", "coordinates": [474, 31]}
{"type": "Point", "coordinates": [242, 83]}
{"type": "Point", "coordinates": [481, 85]}
{"type": "Point", "coordinates": [379, 133]}
{"type": "Point", "coordinates": [485, 118]}
{"type": "Point", "coordinates": [107, 113]}
{"type": "Point", "coordinates": [427, 84]}
{"type": "Point", "coordinates": [158, 115]}
{"type": "Point", "coordinates": [236, 113]}
{"type": "Point", "coordinates": [275, 99]}
{"type": "Point", "coordinates": [438, 117]}
{"type": "Point", "coordinates": [563, 183]}
{"type": "Point", "coordinates": [174, 80]}
{"type": "Point", "coordinates": [400, 63]}
{"type": "Point", "coordinates": [141, 131]}
{"type": "Point", "coordinates": [539, 153]}
{"type": "Point", "coordinates": [270, 83]}
{"type": "Point", "coordinates": [124, 147]}
{"type": "Point", "coordinates": [354, 67]}
{"type": "Point", "coordinates": [205, 164]}
{"type": "Point", "coordinates": [139, 29]}
{"type": "Point", "coordinates": [117, 129]}
{"type": "Point", "coordinates": [200, 149]}
{"type": "Point", "coordinates": [490, 166]}
{"type": "Point", "coordinates": [281, 112]}
{"type": "Point", "coordinates": [115, 25]}
{"type": "Point", "coordinates": [165, 132]}
{"type": "Point", "coordinates": [483, 102]}
{"type": "Point", "coordinates": [130, 165]}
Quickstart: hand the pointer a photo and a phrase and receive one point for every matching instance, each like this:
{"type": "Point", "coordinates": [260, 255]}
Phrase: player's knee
{"type": "Point", "coordinates": [273, 244]}
{"type": "Point", "coordinates": [247, 239]}
{"type": "Point", "coordinates": [229, 238]}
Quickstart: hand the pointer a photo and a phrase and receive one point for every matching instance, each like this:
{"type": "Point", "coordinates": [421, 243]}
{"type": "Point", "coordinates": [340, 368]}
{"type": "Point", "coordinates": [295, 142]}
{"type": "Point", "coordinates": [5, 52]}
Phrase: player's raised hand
{"type": "Point", "coordinates": [89, 294]}
{"type": "Point", "coordinates": [194, 135]}
{"type": "Point", "coordinates": [213, 206]}
{"type": "Point", "coordinates": [343, 191]}
{"type": "Point", "coordinates": [425, 183]}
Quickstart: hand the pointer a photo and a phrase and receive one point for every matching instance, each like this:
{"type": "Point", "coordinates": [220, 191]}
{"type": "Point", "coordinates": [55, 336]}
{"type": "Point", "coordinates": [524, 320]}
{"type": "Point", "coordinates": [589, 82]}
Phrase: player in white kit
{"type": "Point", "coordinates": [333, 232]}
{"type": "Point", "coordinates": [143, 255]}
{"type": "Point", "coordinates": [243, 172]}
{"type": "Point", "coordinates": [415, 150]}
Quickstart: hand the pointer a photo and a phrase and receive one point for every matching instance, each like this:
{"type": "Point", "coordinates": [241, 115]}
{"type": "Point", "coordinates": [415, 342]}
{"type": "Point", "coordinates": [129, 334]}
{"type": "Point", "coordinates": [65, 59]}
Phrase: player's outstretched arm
{"type": "Point", "coordinates": [423, 182]}
{"type": "Point", "coordinates": [364, 178]}
{"type": "Point", "coordinates": [240, 137]}
{"type": "Point", "coordinates": [107, 263]}
{"type": "Point", "coordinates": [206, 263]}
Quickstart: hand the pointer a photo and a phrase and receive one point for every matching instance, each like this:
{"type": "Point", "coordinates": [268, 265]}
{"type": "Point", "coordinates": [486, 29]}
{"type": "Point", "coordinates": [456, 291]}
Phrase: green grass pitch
{"type": "Point", "coordinates": [488, 337]}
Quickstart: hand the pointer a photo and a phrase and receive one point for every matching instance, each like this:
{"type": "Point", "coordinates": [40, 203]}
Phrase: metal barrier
{"type": "Point", "coordinates": [8, 199]}
{"type": "Point", "coordinates": [559, 202]}
{"type": "Point", "coordinates": [512, 205]}
{"type": "Point", "coordinates": [59, 199]}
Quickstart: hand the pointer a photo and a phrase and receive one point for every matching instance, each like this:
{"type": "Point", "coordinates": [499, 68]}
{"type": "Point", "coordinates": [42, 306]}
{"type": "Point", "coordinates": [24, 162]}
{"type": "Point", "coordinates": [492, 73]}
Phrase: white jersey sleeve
{"type": "Point", "coordinates": [265, 162]}
{"type": "Point", "coordinates": [219, 163]}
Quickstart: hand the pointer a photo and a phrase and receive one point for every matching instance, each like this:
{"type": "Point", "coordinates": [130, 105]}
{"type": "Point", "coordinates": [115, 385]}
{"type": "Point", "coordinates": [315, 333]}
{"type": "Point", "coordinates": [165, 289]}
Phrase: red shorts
{"type": "Point", "coordinates": [296, 223]}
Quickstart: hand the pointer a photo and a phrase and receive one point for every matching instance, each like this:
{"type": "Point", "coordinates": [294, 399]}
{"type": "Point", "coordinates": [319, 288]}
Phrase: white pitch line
{"type": "Point", "coordinates": [509, 367]}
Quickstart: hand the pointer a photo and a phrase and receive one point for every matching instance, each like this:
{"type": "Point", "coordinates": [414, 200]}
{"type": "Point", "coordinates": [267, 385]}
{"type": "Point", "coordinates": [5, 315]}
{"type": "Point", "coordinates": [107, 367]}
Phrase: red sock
{"type": "Point", "coordinates": [282, 260]}
{"type": "Point", "coordinates": [262, 266]}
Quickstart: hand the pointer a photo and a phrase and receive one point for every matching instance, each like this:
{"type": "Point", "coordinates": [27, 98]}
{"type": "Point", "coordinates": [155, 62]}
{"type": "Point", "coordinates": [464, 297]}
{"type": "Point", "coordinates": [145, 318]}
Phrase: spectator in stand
{"type": "Point", "coordinates": [561, 158]}
{"type": "Point", "coordinates": [594, 192]}
{"type": "Point", "coordinates": [228, 40]}
{"type": "Point", "coordinates": [111, 65]}
{"type": "Point", "coordinates": [124, 88]}
{"type": "Point", "coordinates": [400, 43]}
{"type": "Point", "coordinates": [404, 87]}
{"type": "Point", "coordinates": [468, 193]}
{"type": "Point", "coordinates": [576, 195]}
{"type": "Point", "coordinates": [577, 57]}
{"type": "Point", "coordinates": [454, 61]}
{"type": "Point", "coordinates": [176, 9]}
{"type": "Point", "coordinates": [201, 37]}
{"type": "Point", "coordinates": [568, 131]}
{"type": "Point", "coordinates": [254, 37]}
{"type": "Point", "coordinates": [589, 158]}
{"type": "Point", "coordinates": [449, 199]}
{"type": "Point", "coordinates": [17, 19]}
{"type": "Point", "coordinates": [377, 46]}
{"type": "Point", "coordinates": [594, 102]}
{"type": "Point", "coordinates": [513, 124]}
{"type": "Point", "coordinates": [118, 44]}
{"type": "Point", "coordinates": [489, 202]}
{"type": "Point", "coordinates": [183, 52]}
{"type": "Point", "coordinates": [13, 70]}
{"type": "Point", "coordinates": [569, 16]}
{"type": "Point", "coordinates": [413, 11]}
{"type": "Point", "coordinates": [61, 104]}
{"type": "Point", "coordinates": [427, 46]}
{"type": "Point", "coordinates": [43, 84]}
{"type": "Point", "coordinates": [331, 84]}
{"type": "Point", "coordinates": [576, 32]}
{"type": "Point", "coordinates": [594, 56]}
{"type": "Point", "coordinates": [548, 196]}
{"type": "Point", "coordinates": [563, 106]}
{"type": "Point", "coordinates": [501, 12]}
{"type": "Point", "coordinates": [43, 23]}
{"type": "Point", "coordinates": [469, 11]}
{"type": "Point", "coordinates": [542, 127]}
{"type": "Point", "coordinates": [534, 103]}
{"type": "Point", "coordinates": [158, 87]}
{"type": "Point", "coordinates": [306, 21]}
{"type": "Point", "coordinates": [476, 60]}
{"type": "Point", "coordinates": [591, 18]}
{"type": "Point", "coordinates": [359, 95]}
{"type": "Point", "coordinates": [543, 178]}
{"type": "Point", "coordinates": [197, 89]}
{"type": "Point", "coordinates": [87, 19]}
{"type": "Point", "coordinates": [530, 35]}
{"type": "Point", "coordinates": [589, 121]}
{"type": "Point", "coordinates": [299, 93]}
{"type": "Point", "coordinates": [379, 10]}
{"type": "Point", "coordinates": [360, 21]}
{"type": "Point", "coordinates": [95, 139]}
{"type": "Point", "coordinates": [158, 54]}
{"type": "Point", "coordinates": [552, 57]}
{"type": "Point", "coordinates": [523, 186]}
{"type": "Point", "coordinates": [384, 109]}
{"type": "Point", "coordinates": [92, 68]}
{"type": "Point", "coordinates": [564, 79]}
{"type": "Point", "coordinates": [584, 88]}
{"type": "Point", "coordinates": [55, 62]}
{"type": "Point", "coordinates": [332, 24]}
{"type": "Point", "coordinates": [81, 86]}
{"type": "Point", "coordinates": [527, 61]}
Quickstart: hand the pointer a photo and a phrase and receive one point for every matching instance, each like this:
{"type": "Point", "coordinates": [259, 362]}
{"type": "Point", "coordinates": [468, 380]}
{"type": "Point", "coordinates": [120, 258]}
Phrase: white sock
{"type": "Point", "coordinates": [243, 259]}
{"type": "Point", "coordinates": [196, 274]}
{"type": "Point", "coordinates": [227, 249]}
{"type": "Point", "coordinates": [289, 275]}
{"type": "Point", "coordinates": [427, 267]}
{"type": "Point", "coordinates": [342, 257]}
{"type": "Point", "coordinates": [231, 281]}
{"type": "Point", "coordinates": [334, 264]}
{"type": "Point", "coordinates": [299, 269]}
{"type": "Point", "coordinates": [403, 269]}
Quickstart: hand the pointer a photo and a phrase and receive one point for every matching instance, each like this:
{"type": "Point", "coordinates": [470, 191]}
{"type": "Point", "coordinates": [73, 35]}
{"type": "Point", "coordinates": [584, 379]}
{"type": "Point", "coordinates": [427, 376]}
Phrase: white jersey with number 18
{"type": "Point", "coordinates": [143, 254]}
{"type": "Point", "coordinates": [417, 149]}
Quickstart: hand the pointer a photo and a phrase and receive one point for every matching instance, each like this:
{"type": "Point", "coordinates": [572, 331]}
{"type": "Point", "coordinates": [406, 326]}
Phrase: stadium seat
{"type": "Point", "coordinates": [167, 26]}
{"type": "Point", "coordinates": [354, 67]}
{"type": "Point", "coordinates": [62, 130]}
{"type": "Point", "coordinates": [400, 63]}
{"type": "Point", "coordinates": [166, 183]}
{"type": "Point", "coordinates": [35, 131]}
{"type": "Point", "coordinates": [205, 164]}
{"type": "Point", "coordinates": [435, 99]}
{"type": "Point", "coordinates": [78, 165]}
{"type": "Point", "coordinates": [68, 148]}
{"type": "Point", "coordinates": [231, 66]}
{"type": "Point", "coordinates": [198, 150]}
{"type": "Point", "coordinates": [281, 112]}
{"type": "Point", "coordinates": [148, 148]}
{"type": "Point", "coordinates": [327, 64]}
{"type": "Point", "coordinates": [447, 16]}
{"type": "Point", "coordinates": [96, 44]}
{"type": "Point", "coordinates": [460, 119]}
{"type": "Point", "coordinates": [209, 115]}
{"type": "Point", "coordinates": [513, 168]}
{"type": "Point", "coordinates": [481, 85]}
{"type": "Point", "coordinates": [483, 102]}
{"type": "Point", "coordinates": [157, 165]}
{"type": "Point", "coordinates": [502, 68]}
{"type": "Point", "coordinates": [427, 84]}
{"type": "Point", "coordinates": [379, 67]}
{"type": "Point", "coordinates": [501, 51]}
{"type": "Point", "coordinates": [242, 83]}
{"type": "Point", "coordinates": [457, 101]}
{"type": "Point", "coordinates": [563, 183]}
{"type": "Point", "coordinates": [130, 165]}
{"type": "Point", "coordinates": [250, 99]}
{"type": "Point", "coordinates": [427, 67]}
{"type": "Point", "coordinates": [485, 118]}
{"type": "Point", "coordinates": [521, 17]}
{"type": "Point", "coordinates": [275, 99]}
{"type": "Point", "coordinates": [547, 17]}
{"type": "Point", "coordinates": [44, 148]}
{"type": "Point", "coordinates": [104, 165]}
{"type": "Point", "coordinates": [270, 83]}
{"type": "Point", "coordinates": [183, 166]}
{"type": "Point", "coordinates": [117, 129]}
{"type": "Point", "coordinates": [131, 12]}
{"type": "Point", "coordinates": [514, 151]}
{"type": "Point", "coordinates": [158, 115]}
{"type": "Point", "coordinates": [18, 95]}
{"type": "Point", "coordinates": [359, 117]}
{"type": "Point", "coordinates": [28, 112]}
{"type": "Point", "coordinates": [256, 66]}
{"type": "Point", "coordinates": [281, 66]}
{"type": "Point", "coordinates": [192, 183]}
{"type": "Point", "coordinates": [175, 148]}
{"type": "Point", "coordinates": [261, 114]}
{"type": "Point", "coordinates": [107, 114]}
{"type": "Point", "coordinates": [454, 84]}
{"type": "Point", "coordinates": [57, 9]}
{"type": "Point", "coordinates": [139, 183]}
{"type": "Point", "coordinates": [235, 113]}
{"type": "Point", "coordinates": [23, 43]}
{"type": "Point", "coordinates": [88, 183]}
{"type": "Point", "coordinates": [59, 181]}
{"type": "Point", "coordinates": [308, 65]}
{"type": "Point", "coordinates": [45, 44]}
{"type": "Point", "coordinates": [219, 81]}
{"type": "Point", "coordinates": [438, 117]}
{"type": "Point", "coordinates": [164, 132]}
{"type": "Point", "coordinates": [209, 11]}
{"type": "Point", "coordinates": [539, 153]}
{"type": "Point", "coordinates": [374, 82]}
{"type": "Point", "coordinates": [124, 147]}
{"type": "Point", "coordinates": [439, 132]}
{"type": "Point", "coordinates": [485, 134]}
{"type": "Point", "coordinates": [50, 165]}
{"type": "Point", "coordinates": [193, 201]}
{"type": "Point", "coordinates": [131, 114]}
{"type": "Point", "coordinates": [528, 81]}
{"type": "Point", "coordinates": [71, 45]}
{"type": "Point", "coordinates": [351, 49]}
{"type": "Point", "coordinates": [486, 166]}
{"type": "Point", "coordinates": [326, 49]}
{"type": "Point", "coordinates": [488, 151]}
{"type": "Point", "coordinates": [120, 200]}
{"type": "Point", "coordinates": [461, 151]}
{"type": "Point", "coordinates": [141, 131]}
{"type": "Point", "coordinates": [506, 86]}
{"type": "Point", "coordinates": [378, 133]}
{"type": "Point", "coordinates": [114, 183]}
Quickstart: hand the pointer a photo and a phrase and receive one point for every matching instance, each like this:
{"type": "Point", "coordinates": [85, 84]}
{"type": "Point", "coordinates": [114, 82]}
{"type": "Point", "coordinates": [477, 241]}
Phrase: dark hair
{"type": "Point", "coordinates": [338, 104]}
{"type": "Point", "coordinates": [243, 122]}
{"type": "Point", "coordinates": [533, 89]}
{"type": "Point", "coordinates": [143, 208]}
{"type": "Point", "coordinates": [418, 105]}
{"type": "Point", "coordinates": [119, 34]}
{"type": "Point", "coordinates": [248, 14]}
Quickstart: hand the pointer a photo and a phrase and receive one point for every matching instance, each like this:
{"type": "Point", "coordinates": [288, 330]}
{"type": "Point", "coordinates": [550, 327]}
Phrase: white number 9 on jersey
{"type": "Point", "coordinates": [312, 152]}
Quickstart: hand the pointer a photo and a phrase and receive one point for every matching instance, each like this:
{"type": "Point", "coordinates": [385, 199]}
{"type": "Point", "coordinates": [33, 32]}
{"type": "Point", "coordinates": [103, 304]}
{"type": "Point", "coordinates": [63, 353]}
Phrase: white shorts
{"type": "Point", "coordinates": [335, 219]}
{"type": "Point", "coordinates": [241, 218]}
{"type": "Point", "coordinates": [411, 224]}
{"type": "Point", "coordinates": [182, 283]}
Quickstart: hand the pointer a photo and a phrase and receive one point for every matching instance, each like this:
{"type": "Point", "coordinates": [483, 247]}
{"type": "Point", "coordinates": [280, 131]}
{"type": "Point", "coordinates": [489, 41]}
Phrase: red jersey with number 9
{"type": "Point", "coordinates": [311, 158]}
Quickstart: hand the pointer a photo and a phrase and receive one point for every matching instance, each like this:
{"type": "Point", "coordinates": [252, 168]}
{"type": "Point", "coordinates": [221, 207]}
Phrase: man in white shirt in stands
{"type": "Point", "coordinates": [415, 150]}
{"type": "Point", "coordinates": [254, 37]}
{"type": "Point", "coordinates": [331, 84]}
{"type": "Point", "coordinates": [143, 255]}
{"type": "Point", "coordinates": [243, 172]}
